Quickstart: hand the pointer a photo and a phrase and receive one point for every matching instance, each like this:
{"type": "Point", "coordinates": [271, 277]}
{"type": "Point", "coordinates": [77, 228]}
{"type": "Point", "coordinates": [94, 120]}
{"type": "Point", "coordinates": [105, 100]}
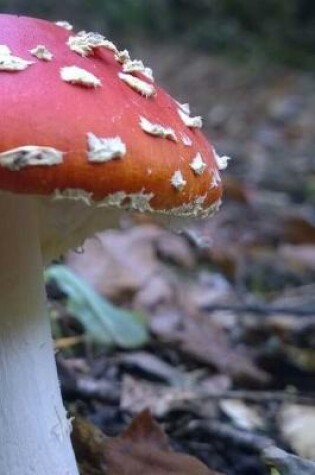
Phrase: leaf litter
{"type": "Point", "coordinates": [227, 368]}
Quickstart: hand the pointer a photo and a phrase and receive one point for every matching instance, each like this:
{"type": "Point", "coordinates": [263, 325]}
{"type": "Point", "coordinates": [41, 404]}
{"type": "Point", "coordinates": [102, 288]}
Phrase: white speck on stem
{"type": "Point", "coordinates": [63, 428]}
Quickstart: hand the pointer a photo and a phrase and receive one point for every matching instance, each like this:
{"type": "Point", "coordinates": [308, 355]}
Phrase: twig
{"type": "Point", "coordinates": [218, 430]}
{"type": "Point", "coordinates": [262, 396]}
{"type": "Point", "coordinates": [261, 309]}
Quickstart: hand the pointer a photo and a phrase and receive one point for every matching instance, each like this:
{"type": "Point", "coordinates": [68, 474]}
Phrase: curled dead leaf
{"type": "Point", "coordinates": [143, 448]}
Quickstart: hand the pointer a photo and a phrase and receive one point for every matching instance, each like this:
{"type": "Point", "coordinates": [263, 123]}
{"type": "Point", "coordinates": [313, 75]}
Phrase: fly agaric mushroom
{"type": "Point", "coordinates": [85, 133]}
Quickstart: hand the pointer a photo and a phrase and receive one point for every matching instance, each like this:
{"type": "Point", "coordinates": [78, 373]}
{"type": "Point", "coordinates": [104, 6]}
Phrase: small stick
{"type": "Point", "coordinates": [261, 309]}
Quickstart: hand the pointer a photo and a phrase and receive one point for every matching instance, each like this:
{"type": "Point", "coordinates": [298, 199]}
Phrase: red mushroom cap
{"type": "Point", "coordinates": [106, 130]}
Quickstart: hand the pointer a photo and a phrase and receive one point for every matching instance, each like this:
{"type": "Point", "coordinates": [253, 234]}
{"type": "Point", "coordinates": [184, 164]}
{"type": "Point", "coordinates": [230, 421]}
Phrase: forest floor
{"type": "Point", "coordinates": [228, 367]}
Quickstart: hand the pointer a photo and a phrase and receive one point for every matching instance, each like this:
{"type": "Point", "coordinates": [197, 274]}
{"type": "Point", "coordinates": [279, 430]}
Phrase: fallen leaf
{"type": "Point", "coordinates": [104, 323]}
{"type": "Point", "coordinates": [143, 449]}
{"type": "Point", "coordinates": [298, 229]}
{"type": "Point", "coordinates": [234, 189]}
{"type": "Point", "coordinates": [297, 425]}
{"type": "Point", "coordinates": [137, 395]}
{"type": "Point", "coordinates": [207, 289]}
{"type": "Point", "coordinates": [118, 263]}
{"type": "Point", "coordinates": [207, 343]}
{"type": "Point", "coordinates": [155, 292]}
{"type": "Point", "coordinates": [174, 248]}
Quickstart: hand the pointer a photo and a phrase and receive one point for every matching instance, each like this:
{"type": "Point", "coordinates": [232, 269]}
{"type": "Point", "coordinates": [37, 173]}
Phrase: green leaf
{"type": "Point", "coordinates": [103, 322]}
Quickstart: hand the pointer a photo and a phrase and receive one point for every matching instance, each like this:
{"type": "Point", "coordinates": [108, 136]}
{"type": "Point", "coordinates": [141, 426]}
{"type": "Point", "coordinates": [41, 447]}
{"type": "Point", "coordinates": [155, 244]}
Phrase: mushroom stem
{"type": "Point", "coordinates": [34, 428]}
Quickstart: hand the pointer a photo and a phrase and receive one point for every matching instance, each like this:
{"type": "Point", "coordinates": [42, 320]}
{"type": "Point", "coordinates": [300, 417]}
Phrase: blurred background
{"type": "Point", "coordinates": [229, 304]}
{"type": "Point", "coordinates": [282, 30]}
{"type": "Point", "coordinates": [279, 29]}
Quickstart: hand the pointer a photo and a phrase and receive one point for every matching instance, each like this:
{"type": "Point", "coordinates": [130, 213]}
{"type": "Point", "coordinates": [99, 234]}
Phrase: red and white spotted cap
{"type": "Point", "coordinates": [82, 122]}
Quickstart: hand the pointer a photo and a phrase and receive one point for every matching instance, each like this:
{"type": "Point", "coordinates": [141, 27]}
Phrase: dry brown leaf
{"type": "Point", "coordinates": [176, 249]}
{"type": "Point", "coordinates": [121, 263]}
{"type": "Point", "coordinates": [156, 291]}
{"type": "Point", "coordinates": [298, 230]}
{"type": "Point", "coordinates": [202, 339]}
{"type": "Point", "coordinates": [138, 395]}
{"type": "Point", "coordinates": [234, 189]}
{"type": "Point", "coordinates": [118, 263]}
{"type": "Point", "coordinates": [208, 288]}
{"type": "Point", "coordinates": [208, 344]}
{"type": "Point", "coordinates": [143, 449]}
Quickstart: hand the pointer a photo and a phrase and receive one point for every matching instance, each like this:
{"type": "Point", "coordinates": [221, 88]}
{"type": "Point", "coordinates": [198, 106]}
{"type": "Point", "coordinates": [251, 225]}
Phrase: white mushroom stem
{"type": "Point", "coordinates": [34, 428]}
